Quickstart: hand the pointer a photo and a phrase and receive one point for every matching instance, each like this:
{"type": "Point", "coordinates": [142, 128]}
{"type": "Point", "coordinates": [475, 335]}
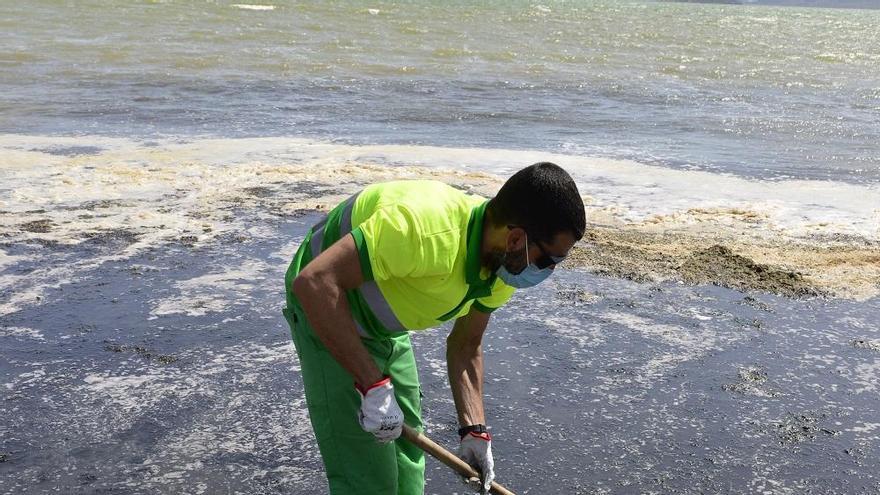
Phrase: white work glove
{"type": "Point", "coordinates": [476, 450]}
{"type": "Point", "coordinates": [379, 413]}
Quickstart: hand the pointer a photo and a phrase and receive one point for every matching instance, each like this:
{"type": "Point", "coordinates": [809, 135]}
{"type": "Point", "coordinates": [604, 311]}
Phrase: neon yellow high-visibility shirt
{"type": "Point", "coordinates": [419, 241]}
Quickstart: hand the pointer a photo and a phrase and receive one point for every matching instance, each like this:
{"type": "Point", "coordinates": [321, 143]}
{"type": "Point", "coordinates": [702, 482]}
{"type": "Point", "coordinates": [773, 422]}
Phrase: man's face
{"type": "Point", "coordinates": [516, 257]}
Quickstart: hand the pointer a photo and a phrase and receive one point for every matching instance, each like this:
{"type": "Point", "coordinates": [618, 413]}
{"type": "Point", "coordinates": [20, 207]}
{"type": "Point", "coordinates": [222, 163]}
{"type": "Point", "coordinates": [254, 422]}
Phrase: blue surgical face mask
{"type": "Point", "coordinates": [530, 276]}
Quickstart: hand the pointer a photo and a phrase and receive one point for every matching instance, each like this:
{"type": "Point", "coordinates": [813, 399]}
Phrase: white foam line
{"type": "Point", "coordinates": [29, 333]}
{"type": "Point", "coordinates": [675, 336]}
{"type": "Point", "coordinates": [232, 426]}
{"type": "Point", "coordinates": [866, 377]}
{"type": "Point", "coordinates": [640, 191]}
{"type": "Point", "coordinates": [33, 289]}
{"type": "Point", "coordinates": [133, 393]}
{"type": "Point", "coordinates": [582, 333]}
{"type": "Point", "coordinates": [245, 6]}
{"type": "Point", "coordinates": [214, 292]}
{"type": "Point", "coordinates": [685, 344]}
{"type": "Point", "coordinates": [7, 260]}
{"type": "Point", "coordinates": [286, 252]}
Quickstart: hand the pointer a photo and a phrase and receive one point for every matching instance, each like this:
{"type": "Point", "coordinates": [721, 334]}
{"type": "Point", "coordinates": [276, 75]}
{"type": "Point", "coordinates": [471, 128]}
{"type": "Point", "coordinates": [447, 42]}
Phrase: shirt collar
{"type": "Point", "coordinates": [473, 265]}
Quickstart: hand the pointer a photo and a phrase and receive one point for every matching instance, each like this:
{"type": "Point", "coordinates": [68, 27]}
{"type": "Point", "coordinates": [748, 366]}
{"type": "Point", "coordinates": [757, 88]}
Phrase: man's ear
{"type": "Point", "coordinates": [516, 237]}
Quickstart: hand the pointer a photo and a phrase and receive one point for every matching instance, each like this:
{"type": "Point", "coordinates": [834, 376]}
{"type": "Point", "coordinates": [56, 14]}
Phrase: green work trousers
{"type": "Point", "coordinates": [356, 463]}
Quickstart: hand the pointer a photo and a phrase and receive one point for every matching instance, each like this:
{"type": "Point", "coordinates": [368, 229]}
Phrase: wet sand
{"type": "Point", "coordinates": [142, 349]}
{"type": "Point", "coordinates": [172, 372]}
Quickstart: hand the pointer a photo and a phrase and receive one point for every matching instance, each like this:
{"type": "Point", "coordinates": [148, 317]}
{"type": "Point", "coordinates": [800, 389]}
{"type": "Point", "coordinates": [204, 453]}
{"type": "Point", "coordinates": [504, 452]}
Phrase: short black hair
{"type": "Point", "coordinates": [541, 198]}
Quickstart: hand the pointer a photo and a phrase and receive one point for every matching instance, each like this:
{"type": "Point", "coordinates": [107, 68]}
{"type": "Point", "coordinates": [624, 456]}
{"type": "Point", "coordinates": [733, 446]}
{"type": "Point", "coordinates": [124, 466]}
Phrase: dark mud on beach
{"type": "Point", "coordinates": [171, 372]}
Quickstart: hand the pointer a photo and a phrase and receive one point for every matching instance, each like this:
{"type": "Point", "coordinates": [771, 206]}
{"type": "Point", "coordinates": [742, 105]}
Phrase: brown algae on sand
{"type": "Point", "coordinates": [733, 258]}
{"type": "Point", "coordinates": [41, 226]}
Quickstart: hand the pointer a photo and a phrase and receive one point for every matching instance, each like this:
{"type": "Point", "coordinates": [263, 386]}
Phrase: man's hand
{"type": "Point", "coordinates": [476, 450]}
{"type": "Point", "coordinates": [379, 413]}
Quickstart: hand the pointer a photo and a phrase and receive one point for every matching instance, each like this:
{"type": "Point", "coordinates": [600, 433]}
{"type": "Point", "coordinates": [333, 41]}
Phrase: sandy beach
{"type": "Point", "coordinates": [144, 350]}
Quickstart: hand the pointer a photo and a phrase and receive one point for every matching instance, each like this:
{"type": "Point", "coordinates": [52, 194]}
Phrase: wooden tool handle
{"type": "Point", "coordinates": [448, 458]}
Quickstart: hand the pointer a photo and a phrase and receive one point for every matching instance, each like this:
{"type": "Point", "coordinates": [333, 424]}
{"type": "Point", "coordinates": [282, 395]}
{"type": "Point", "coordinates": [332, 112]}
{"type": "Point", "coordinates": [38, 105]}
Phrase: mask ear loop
{"type": "Point", "coordinates": [511, 227]}
{"type": "Point", "coordinates": [526, 247]}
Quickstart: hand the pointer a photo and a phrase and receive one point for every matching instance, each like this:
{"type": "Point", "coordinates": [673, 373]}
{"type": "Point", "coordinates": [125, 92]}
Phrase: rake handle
{"type": "Point", "coordinates": [448, 458]}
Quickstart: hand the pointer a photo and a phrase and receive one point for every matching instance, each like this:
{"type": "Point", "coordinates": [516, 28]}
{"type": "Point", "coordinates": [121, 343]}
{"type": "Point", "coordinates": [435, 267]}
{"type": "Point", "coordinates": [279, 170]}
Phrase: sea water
{"type": "Point", "coordinates": [754, 91]}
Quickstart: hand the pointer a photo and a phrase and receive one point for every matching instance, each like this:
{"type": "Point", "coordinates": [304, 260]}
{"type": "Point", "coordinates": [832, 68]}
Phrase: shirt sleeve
{"type": "Point", "coordinates": [392, 244]}
{"type": "Point", "coordinates": [501, 293]}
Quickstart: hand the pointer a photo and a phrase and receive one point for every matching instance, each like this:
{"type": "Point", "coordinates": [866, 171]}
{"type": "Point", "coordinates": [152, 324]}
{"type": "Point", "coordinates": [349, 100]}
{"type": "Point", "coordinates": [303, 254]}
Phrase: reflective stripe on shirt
{"type": "Point", "coordinates": [370, 290]}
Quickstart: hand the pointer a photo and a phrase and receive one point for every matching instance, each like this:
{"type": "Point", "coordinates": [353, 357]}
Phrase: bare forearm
{"type": "Point", "coordinates": [327, 310]}
{"type": "Point", "coordinates": [465, 368]}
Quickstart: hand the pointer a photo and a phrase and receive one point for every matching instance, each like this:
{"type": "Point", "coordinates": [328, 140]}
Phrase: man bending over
{"type": "Point", "coordinates": [404, 256]}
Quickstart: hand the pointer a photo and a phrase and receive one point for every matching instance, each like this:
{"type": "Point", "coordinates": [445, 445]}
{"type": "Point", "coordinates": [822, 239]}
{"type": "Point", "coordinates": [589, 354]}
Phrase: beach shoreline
{"type": "Point", "coordinates": [136, 196]}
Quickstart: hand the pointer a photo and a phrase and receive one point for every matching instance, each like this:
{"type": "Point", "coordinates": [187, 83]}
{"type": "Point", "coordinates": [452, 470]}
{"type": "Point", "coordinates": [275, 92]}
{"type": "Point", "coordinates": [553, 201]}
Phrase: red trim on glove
{"type": "Point", "coordinates": [381, 382]}
{"type": "Point", "coordinates": [481, 436]}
